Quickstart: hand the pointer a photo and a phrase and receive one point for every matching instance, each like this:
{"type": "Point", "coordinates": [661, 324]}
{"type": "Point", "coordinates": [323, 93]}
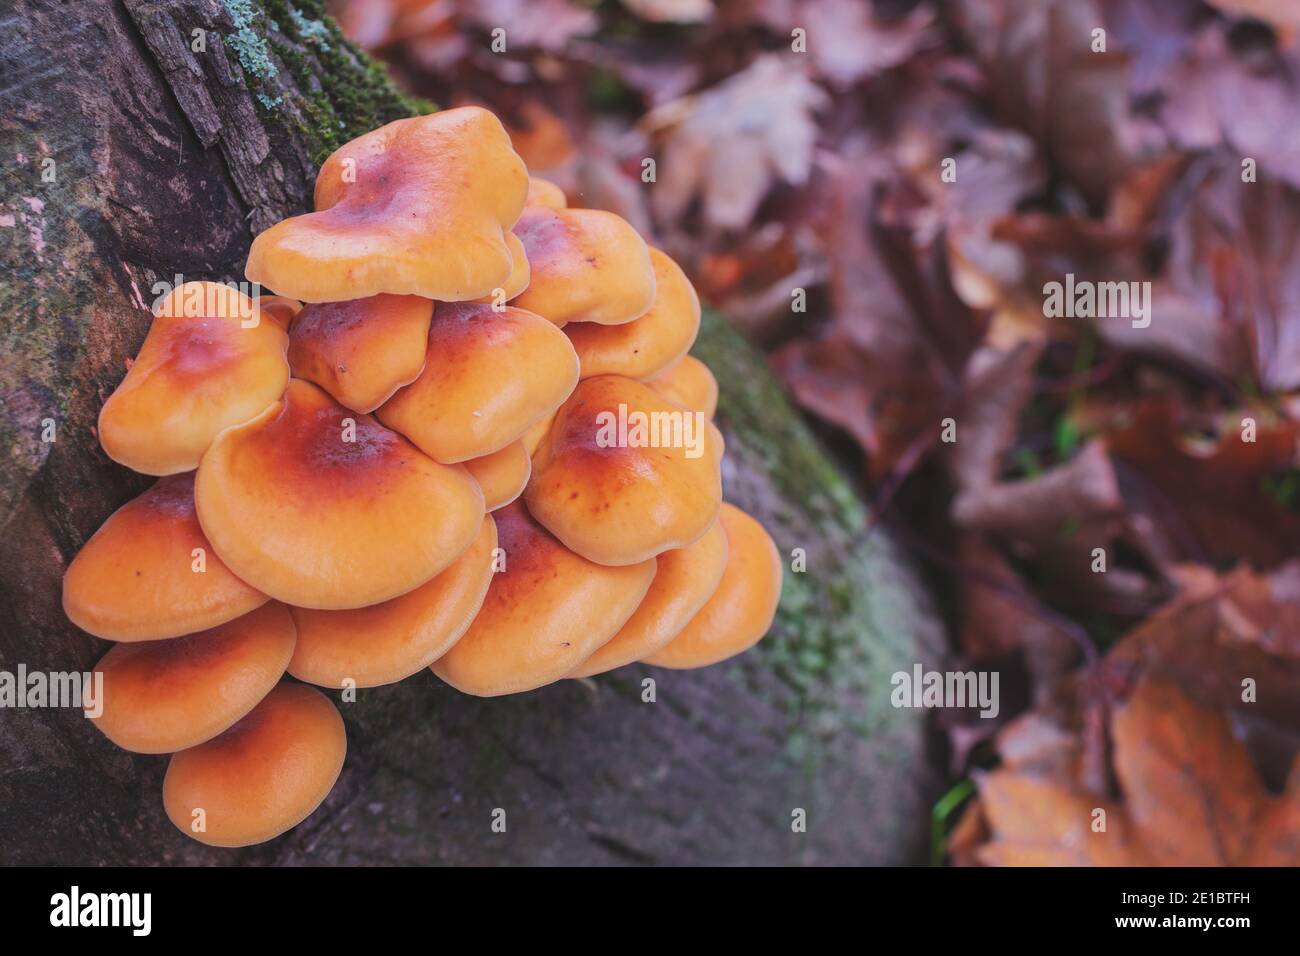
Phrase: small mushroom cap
{"type": "Point", "coordinates": [363, 350]}
{"type": "Point", "coordinates": [544, 614]}
{"type": "Point", "coordinates": [264, 775]}
{"type": "Point", "coordinates": [418, 207]}
{"type": "Point", "coordinates": [199, 370]}
{"type": "Point", "coordinates": [543, 192]}
{"type": "Point", "coordinates": [587, 266]}
{"type": "Point", "coordinates": [487, 377]}
{"type": "Point", "coordinates": [648, 345]}
{"type": "Point", "coordinates": [519, 273]}
{"type": "Point", "coordinates": [279, 309]}
{"type": "Point", "coordinates": [502, 475]}
{"type": "Point", "coordinates": [690, 384]}
{"type": "Point", "coordinates": [391, 641]}
{"type": "Point", "coordinates": [317, 520]}
{"type": "Point", "coordinates": [149, 572]}
{"type": "Point", "coordinates": [533, 437]}
{"type": "Point", "coordinates": [685, 579]}
{"type": "Point", "coordinates": [741, 610]}
{"type": "Point", "coordinates": [617, 493]}
{"type": "Point", "coordinates": [164, 696]}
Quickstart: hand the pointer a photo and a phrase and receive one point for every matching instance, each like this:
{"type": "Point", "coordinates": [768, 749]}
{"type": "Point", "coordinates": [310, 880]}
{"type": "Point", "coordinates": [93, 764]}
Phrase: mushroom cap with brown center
{"type": "Point", "coordinates": [544, 614]}
{"type": "Point", "coordinates": [264, 775]}
{"type": "Point", "coordinates": [487, 377]}
{"type": "Point", "coordinates": [208, 362]}
{"type": "Point", "coordinates": [326, 508]}
{"type": "Point", "coordinates": [519, 276]}
{"type": "Point", "coordinates": [502, 475]}
{"type": "Point", "coordinates": [741, 610]}
{"type": "Point", "coordinates": [543, 192]}
{"type": "Point", "coordinates": [684, 580]}
{"type": "Point", "coordinates": [362, 350]}
{"type": "Point", "coordinates": [690, 384]}
{"type": "Point", "coordinates": [648, 345]}
{"type": "Point", "coordinates": [587, 265]}
{"type": "Point", "coordinates": [618, 495]}
{"type": "Point", "coordinates": [164, 696]}
{"type": "Point", "coordinates": [391, 641]}
{"type": "Point", "coordinates": [418, 207]}
{"type": "Point", "coordinates": [149, 572]}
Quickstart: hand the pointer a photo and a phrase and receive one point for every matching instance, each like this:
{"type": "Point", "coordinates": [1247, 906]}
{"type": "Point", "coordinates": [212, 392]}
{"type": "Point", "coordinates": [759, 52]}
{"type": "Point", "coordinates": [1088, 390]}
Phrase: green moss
{"type": "Point", "coordinates": [44, 287]}
{"type": "Point", "coordinates": [344, 92]}
{"type": "Point", "coordinates": [793, 456]}
{"type": "Point", "coordinates": [842, 626]}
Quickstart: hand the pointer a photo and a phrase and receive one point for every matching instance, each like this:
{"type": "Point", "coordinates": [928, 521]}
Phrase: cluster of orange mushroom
{"type": "Point", "coordinates": [398, 461]}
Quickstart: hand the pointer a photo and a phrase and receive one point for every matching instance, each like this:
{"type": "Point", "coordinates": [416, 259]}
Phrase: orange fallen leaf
{"type": "Point", "coordinates": [1190, 797]}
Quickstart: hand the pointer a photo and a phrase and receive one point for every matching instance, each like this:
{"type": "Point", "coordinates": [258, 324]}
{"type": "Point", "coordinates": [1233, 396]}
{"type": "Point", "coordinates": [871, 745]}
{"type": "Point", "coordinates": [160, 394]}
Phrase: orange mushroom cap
{"type": "Point", "coordinates": [164, 696]}
{"type": "Point", "coordinates": [543, 192]}
{"type": "Point", "coordinates": [587, 266]}
{"type": "Point", "coordinates": [519, 276]}
{"type": "Point", "coordinates": [149, 572]}
{"type": "Point", "coordinates": [420, 207]}
{"type": "Point", "coordinates": [487, 377]}
{"type": "Point", "coordinates": [363, 350]}
{"type": "Point", "coordinates": [208, 362]}
{"type": "Point", "coordinates": [279, 309]}
{"type": "Point", "coordinates": [616, 493]}
{"type": "Point", "coordinates": [690, 384]}
{"type": "Point", "coordinates": [685, 579]}
{"type": "Point", "coordinates": [317, 520]}
{"type": "Point", "coordinates": [533, 437]}
{"type": "Point", "coordinates": [502, 475]}
{"type": "Point", "coordinates": [263, 776]}
{"type": "Point", "coordinates": [646, 346]}
{"type": "Point", "coordinates": [388, 642]}
{"type": "Point", "coordinates": [741, 610]}
{"type": "Point", "coordinates": [544, 614]}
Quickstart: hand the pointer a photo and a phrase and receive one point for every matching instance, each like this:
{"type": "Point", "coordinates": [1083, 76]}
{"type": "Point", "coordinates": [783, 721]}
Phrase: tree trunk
{"type": "Point", "coordinates": [131, 156]}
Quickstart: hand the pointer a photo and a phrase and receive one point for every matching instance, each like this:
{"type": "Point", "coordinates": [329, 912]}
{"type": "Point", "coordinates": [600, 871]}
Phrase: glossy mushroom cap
{"type": "Point", "coordinates": [519, 276]}
{"type": "Point", "coordinates": [326, 508]}
{"type": "Point", "coordinates": [363, 350]}
{"type": "Point", "coordinates": [543, 192]}
{"type": "Point", "coordinates": [149, 572]}
{"type": "Point", "coordinates": [533, 437]}
{"type": "Point", "coordinates": [648, 345]}
{"type": "Point", "coordinates": [208, 362]}
{"type": "Point", "coordinates": [741, 610]}
{"type": "Point", "coordinates": [690, 384]}
{"type": "Point", "coordinates": [418, 207]}
{"type": "Point", "coordinates": [388, 642]}
{"type": "Point", "coordinates": [587, 266]}
{"type": "Point", "coordinates": [487, 377]}
{"type": "Point", "coordinates": [684, 580]}
{"type": "Point", "coordinates": [278, 309]}
{"type": "Point", "coordinates": [544, 614]}
{"type": "Point", "coordinates": [263, 776]}
{"type": "Point", "coordinates": [617, 493]}
{"type": "Point", "coordinates": [502, 475]}
{"type": "Point", "coordinates": [164, 696]}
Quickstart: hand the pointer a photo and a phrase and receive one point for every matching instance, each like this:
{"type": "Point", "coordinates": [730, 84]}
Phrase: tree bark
{"type": "Point", "coordinates": [131, 156]}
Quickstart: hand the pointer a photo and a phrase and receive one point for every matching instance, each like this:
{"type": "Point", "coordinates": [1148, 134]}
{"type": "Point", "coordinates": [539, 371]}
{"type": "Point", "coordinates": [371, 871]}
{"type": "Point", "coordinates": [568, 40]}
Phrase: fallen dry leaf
{"type": "Point", "coordinates": [671, 11]}
{"type": "Point", "coordinates": [1211, 504]}
{"type": "Point", "coordinates": [731, 143]}
{"type": "Point", "coordinates": [1189, 797]}
{"type": "Point", "coordinates": [848, 43]}
{"type": "Point", "coordinates": [1189, 787]}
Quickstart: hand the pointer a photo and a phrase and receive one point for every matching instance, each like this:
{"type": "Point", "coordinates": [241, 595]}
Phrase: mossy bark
{"type": "Point", "coordinates": [130, 156]}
